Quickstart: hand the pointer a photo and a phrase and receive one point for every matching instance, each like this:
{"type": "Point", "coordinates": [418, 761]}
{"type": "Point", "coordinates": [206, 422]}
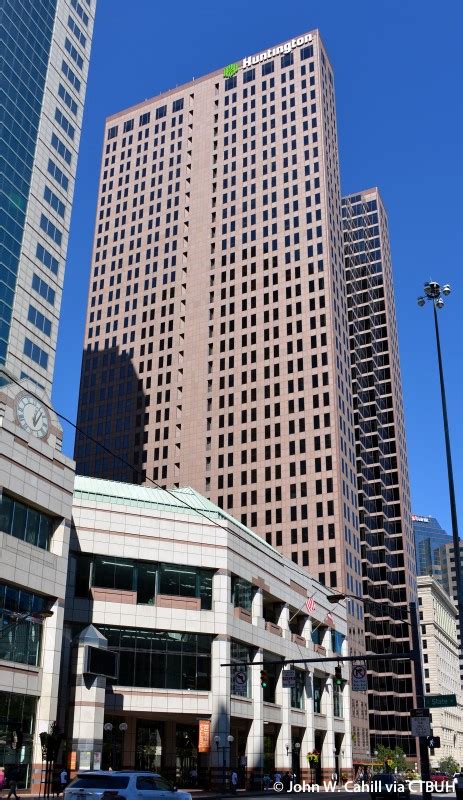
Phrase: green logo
{"type": "Point", "coordinates": [231, 70]}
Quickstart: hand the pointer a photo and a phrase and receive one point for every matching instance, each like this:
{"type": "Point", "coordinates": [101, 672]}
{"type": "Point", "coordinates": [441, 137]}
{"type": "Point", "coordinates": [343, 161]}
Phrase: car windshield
{"type": "Point", "coordinates": [102, 782]}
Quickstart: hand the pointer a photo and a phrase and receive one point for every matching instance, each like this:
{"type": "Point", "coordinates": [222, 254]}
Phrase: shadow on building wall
{"type": "Point", "coordinates": [112, 416]}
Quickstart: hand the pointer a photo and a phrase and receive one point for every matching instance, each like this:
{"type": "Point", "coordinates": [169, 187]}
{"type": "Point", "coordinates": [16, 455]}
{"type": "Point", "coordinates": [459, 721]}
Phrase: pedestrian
{"type": "Point", "coordinates": [193, 776]}
{"type": "Point", "coordinates": [63, 779]}
{"type": "Point", "coordinates": [267, 781]}
{"type": "Point", "coordinates": [13, 783]}
{"type": "Point", "coordinates": [234, 781]}
{"type": "Point", "coordinates": [277, 777]}
{"type": "Point", "coordinates": [334, 776]}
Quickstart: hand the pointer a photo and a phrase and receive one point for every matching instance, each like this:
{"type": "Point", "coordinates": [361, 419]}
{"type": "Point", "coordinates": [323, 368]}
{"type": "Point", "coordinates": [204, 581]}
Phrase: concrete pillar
{"type": "Point", "coordinates": [220, 721]}
{"type": "Point", "coordinates": [283, 759]}
{"type": "Point", "coordinates": [255, 741]}
{"type": "Point", "coordinates": [329, 742]}
{"type": "Point", "coordinates": [87, 702]}
{"type": "Point", "coordinates": [52, 631]}
{"type": "Point", "coordinates": [258, 608]}
{"type": "Point", "coordinates": [169, 748]}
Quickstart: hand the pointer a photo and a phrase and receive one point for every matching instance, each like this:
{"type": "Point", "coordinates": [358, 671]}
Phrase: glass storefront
{"type": "Point", "coordinates": [148, 754]}
{"type": "Point", "coordinates": [17, 722]}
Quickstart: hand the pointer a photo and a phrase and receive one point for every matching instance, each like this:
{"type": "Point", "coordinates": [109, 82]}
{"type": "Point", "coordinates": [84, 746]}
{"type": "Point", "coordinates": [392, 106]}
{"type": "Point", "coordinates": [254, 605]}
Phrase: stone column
{"type": "Point", "coordinates": [283, 758]}
{"type": "Point", "coordinates": [258, 608]}
{"type": "Point", "coordinates": [328, 758]}
{"type": "Point", "coordinates": [255, 741]}
{"type": "Point", "coordinates": [220, 721]}
{"type": "Point", "coordinates": [308, 740]}
{"type": "Point", "coordinates": [87, 702]}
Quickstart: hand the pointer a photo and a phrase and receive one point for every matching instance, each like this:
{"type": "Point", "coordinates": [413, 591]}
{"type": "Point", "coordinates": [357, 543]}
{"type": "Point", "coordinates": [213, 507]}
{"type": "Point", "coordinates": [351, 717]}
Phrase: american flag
{"type": "Point", "coordinates": [329, 619]}
{"type": "Point", "coordinates": [310, 605]}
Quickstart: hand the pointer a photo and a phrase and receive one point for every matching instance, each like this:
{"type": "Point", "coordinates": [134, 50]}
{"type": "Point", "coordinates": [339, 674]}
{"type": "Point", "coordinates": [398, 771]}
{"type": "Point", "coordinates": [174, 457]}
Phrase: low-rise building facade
{"type": "Point", "coordinates": [438, 620]}
{"type": "Point", "coordinates": [187, 596]}
{"type": "Point", "coordinates": [36, 484]}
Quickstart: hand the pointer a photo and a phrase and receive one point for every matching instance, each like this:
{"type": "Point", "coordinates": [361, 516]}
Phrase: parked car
{"type": "Point", "coordinates": [441, 779]}
{"type": "Point", "coordinates": [122, 785]}
{"type": "Point", "coordinates": [388, 784]}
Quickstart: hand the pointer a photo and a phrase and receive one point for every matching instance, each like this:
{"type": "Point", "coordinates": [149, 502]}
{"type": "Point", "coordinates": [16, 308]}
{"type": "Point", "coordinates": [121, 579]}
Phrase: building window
{"type": "Point", "coordinates": [298, 691]}
{"type": "Point", "coordinates": [21, 642]}
{"type": "Point", "coordinates": [26, 523]}
{"type": "Point", "coordinates": [337, 641]}
{"type": "Point", "coordinates": [337, 701]}
{"type": "Point", "coordinates": [43, 289]}
{"type": "Point", "coordinates": [51, 230]}
{"type": "Point", "coordinates": [177, 105]}
{"type": "Point", "coordinates": [113, 573]}
{"type": "Point", "coordinates": [39, 320]}
{"type": "Point", "coordinates": [179, 581]}
{"type": "Point", "coordinates": [35, 353]}
{"type": "Point", "coordinates": [318, 686]}
{"type": "Point", "coordinates": [145, 578]}
{"type": "Point", "coordinates": [161, 659]}
{"type": "Point", "coordinates": [241, 592]}
{"type": "Point", "coordinates": [17, 712]}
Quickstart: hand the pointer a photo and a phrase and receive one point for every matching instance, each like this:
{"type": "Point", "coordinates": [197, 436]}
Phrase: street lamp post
{"type": "Point", "coordinates": [435, 294]}
{"type": "Point", "coordinates": [419, 684]}
{"type": "Point", "coordinates": [224, 748]}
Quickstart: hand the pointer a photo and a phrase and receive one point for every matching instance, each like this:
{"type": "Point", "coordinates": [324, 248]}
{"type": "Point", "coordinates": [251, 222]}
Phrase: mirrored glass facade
{"type": "Point", "coordinates": [46, 45]}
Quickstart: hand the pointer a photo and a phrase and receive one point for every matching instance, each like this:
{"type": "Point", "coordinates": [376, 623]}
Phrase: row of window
{"type": "Point", "coordinates": [25, 523]}
{"type": "Point", "coordinates": [145, 118]}
{"type": "Point", "coordinates": [147, 579]}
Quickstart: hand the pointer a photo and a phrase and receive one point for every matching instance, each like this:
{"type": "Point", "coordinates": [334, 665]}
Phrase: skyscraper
{"type": "Point", "coordinates": [388, 552]}
{"type": "Point", "coordinates": [430, 543]}
{"type": "Point", "coordinates": [46, 50]}
{"type": "Point", "coordinates": [216, 345]}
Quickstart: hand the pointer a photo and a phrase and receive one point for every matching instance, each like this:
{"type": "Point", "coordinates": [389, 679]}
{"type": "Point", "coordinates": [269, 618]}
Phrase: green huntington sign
{"type": "Point", "coordinates": [440, 701]}
{"type": "Point", "coordinates": [231, 70]}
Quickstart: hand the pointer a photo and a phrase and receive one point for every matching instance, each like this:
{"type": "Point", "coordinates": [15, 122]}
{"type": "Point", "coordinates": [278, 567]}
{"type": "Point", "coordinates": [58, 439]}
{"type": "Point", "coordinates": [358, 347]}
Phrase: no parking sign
{"type": "Point", "coordinates": [359, 678]}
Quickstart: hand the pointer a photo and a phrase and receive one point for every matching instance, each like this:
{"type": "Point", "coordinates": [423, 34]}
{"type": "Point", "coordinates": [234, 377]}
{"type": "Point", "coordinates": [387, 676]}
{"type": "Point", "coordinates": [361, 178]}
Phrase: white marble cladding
{"type": "Point", "coordinates": [128, 531]}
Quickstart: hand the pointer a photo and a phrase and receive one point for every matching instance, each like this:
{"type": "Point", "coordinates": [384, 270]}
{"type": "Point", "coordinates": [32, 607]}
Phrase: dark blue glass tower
{"type": "Point", "coordinates": [26, 37]}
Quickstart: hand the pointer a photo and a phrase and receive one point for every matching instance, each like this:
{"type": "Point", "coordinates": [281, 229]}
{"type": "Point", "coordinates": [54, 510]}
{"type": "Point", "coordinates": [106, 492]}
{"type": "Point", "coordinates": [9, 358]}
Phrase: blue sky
{"type": "Point", "coordinates": [398, 70]}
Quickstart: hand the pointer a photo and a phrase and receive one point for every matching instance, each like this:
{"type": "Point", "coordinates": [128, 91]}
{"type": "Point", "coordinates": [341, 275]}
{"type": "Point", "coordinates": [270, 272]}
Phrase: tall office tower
{"type": "Point", "coordinates": [216, 345]}
{"type": "Point", "coordinates": [430, 547]}
{"type": "Point", "coordinates": [388, 553]}
{"type": "Point", "coordinates": [46, 49]}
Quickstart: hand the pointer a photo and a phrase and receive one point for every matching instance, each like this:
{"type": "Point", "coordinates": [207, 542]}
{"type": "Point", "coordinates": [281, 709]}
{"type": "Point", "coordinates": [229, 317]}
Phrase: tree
{"type": "Point", "coordinates": [392, 759]}
{"type": "Point", "coordinates": [449, 765]}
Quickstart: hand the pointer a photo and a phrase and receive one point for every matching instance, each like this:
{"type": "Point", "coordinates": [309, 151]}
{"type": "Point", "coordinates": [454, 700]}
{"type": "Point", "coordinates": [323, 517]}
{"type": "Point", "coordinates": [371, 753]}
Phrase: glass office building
{"type": "Point", "coordinates": [46, 47]}
{"type": "Point", "coordinates": [430, 543]}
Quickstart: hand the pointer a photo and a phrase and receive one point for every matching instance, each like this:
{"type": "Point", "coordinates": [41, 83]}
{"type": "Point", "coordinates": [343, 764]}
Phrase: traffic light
{"type": "Point", "coordinates": [338, 679]}
{"type": "Point", "coordinates": [433, 742]}
{"type": "Point", "coordinates": [263, 678]}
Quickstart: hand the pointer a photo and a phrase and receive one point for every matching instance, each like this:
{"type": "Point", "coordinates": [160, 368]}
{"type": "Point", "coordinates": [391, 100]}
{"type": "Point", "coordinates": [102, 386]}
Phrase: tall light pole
{"type": "Point", "coordinates": [434, 293]}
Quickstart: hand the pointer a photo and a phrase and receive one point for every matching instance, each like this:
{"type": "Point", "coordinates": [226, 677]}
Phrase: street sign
{"type": "Point", "coordinates": [359, 678]}
{"type": "Point", "coordinates": [240, 680]}
{"type": "Point", "coordinates": [420, 722]}
{"type": "Point", "coordinates": [289, 678]}
{"type": "Point", "coordinates": [440, 700]}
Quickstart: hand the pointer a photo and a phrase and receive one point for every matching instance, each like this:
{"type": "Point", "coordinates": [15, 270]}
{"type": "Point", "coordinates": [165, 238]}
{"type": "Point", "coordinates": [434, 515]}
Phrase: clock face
{"type": "Point", "coordinates": [32, 415]}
